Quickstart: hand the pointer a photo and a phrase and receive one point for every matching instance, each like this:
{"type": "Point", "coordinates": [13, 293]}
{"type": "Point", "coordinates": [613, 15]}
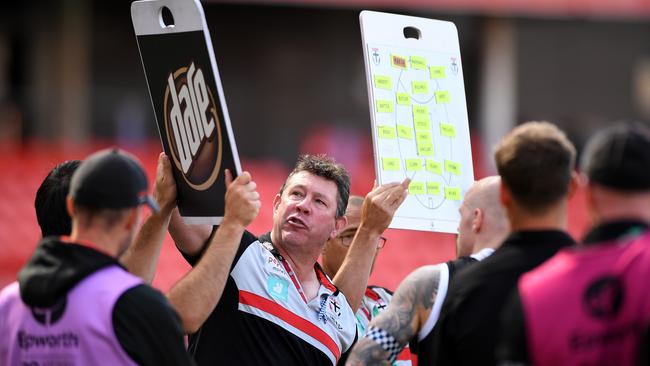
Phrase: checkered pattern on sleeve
{"type": "Point", "coordinates": [386, 341]}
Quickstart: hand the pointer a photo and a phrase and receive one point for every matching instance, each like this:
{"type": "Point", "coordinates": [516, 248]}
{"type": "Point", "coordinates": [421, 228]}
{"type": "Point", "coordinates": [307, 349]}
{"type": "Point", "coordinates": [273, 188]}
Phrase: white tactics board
{"type": "Point", "coordinates": [419, 116]}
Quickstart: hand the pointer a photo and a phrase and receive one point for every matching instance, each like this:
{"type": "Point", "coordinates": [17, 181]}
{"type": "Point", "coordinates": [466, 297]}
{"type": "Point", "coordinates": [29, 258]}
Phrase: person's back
{"type": "Point", "coordinates": [590, 304]}
{"type": "Point", "coordinates": [63, 315]}
{"type": "Point", "coordinates": [535, 162]}
{"type": "Point", "coordinates": [599, 326]}
{"type": "Point", "coordinates": [74, 303]}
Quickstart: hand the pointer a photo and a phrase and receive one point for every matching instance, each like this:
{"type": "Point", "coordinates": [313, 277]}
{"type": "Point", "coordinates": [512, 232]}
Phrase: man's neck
{"type": "Point", "coordinates": [99, 240]}
{"type": "Point", "coordinates": [554, 218]}
{"type": "Point", "coordinates": [301, 263]}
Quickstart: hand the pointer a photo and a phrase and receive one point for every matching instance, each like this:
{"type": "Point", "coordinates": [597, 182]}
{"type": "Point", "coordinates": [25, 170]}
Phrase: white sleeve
{"type": "Point", "coordinates": [437, 304]}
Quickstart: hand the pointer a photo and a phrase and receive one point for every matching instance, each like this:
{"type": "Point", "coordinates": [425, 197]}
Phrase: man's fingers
{"type": "Point", "coordinates": [244, 178]}
{"type": "Point", "coordinates": [382, 189]}
{"type": "Point", "coordinates": [228, 177]}
{"type": "Point", "coordinates": [406, 182]}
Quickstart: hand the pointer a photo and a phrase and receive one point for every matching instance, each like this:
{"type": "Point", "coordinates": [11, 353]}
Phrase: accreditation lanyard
{"type": "Point", "coordinates": [322, 279]}
{"type": "Point", "coordinates": [291, 274]}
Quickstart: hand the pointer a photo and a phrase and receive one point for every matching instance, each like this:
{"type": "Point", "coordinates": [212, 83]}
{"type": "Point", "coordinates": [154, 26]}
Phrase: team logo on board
{"type": "Point", "coordinates": [193, 128]}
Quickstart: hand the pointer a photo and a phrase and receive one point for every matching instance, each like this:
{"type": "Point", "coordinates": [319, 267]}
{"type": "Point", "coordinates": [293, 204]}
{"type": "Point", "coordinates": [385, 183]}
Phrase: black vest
{"type": "Point", "coordinates": [424, 349]}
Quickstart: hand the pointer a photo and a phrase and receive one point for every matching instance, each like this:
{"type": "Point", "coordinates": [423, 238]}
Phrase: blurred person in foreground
{"type": "Point", "coordinates": [241, 207]}
{"type": "Point", "coordinates": [590, 304]}
{"type": "Point", "coordinates": [141, 258]}
{"type": "Point", "coordinates": [74, 303]}
{"type": "Point", "coordinates": [536, 164]}
{"type": "Point", "coordinates": [413, 312]}
{"type": "Point", "coordinates": [278, 306]}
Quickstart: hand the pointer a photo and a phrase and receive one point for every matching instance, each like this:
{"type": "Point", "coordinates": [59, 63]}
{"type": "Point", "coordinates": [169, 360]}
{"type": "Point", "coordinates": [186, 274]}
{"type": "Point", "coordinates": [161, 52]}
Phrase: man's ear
{"type": "Point", "coordinates": [339, 224]}
{"type": "Point", "coordinates": [276, 202]}
{"type": "Point", "coordinates": [132, 218]}
{"type": "Point", "coordinates": [591, 202]}
{"type": "Point", "coordinates": [477, 221]}
{"type": "Point", "coordinates": [574, 183]}
{"type": "Point", "coordinates": [69, 205]}
{"type": "Point", "coordinates": [504, 195]}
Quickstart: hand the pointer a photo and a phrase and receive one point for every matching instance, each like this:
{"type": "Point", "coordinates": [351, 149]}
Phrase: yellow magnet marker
{"type": "Point", "coordinates": [452, 167]}
{"type": "Point", "coordinates": [390, 164]}
{"type": "Point", "coordinates": [447, 130]}
{"type": "Point", "coordinates": [416, 188]}
{"type": "Point", "coordinates": [383, 82]}
{"type": "Point", "coordinates": [452, 193]}
{"type": "Point", "coordinates": [386, 132]}
{"type": "Point", "coordinates": [442, 97]}
{"type": "Point", "coordinates": [405, 132]}
{"type": "Point", "coordinates": [420, 87]}
{"type": "Point", "coordinates": [419, 63]}
{"type": "Point", "coordinates": [403, 99]}
{"type": "Point", "coordinates": [420, 110]}
{"type": "Point", "coordinates": [421, 122]}
{"type": "Point", "coordinates": [398, 61]}
{"type": "Point", "coordinates": [425, 150]}
{"type": "Point", "coordinates": [434, 166]}
{"type": "Point", "coordinates": [437, 72]}
{"type": "Point", "coordinates": [423, 138]}
{"type": "Point", "coordinates": [413, 165]}
{"type": "Point", "coordinates": [384, 106]}
{"type": "Point", "coordinates": [433, 188]}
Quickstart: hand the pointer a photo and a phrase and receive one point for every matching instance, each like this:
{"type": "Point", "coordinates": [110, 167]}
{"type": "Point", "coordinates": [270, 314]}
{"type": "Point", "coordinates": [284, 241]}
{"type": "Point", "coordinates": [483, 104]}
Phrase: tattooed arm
{"type": "Point", "coordinates": [406, 313]}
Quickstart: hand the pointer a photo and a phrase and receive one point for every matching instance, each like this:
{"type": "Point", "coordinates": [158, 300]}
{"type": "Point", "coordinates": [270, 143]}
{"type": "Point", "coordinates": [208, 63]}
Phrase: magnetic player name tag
{"type": "Point", "coordinates": [188, 103]}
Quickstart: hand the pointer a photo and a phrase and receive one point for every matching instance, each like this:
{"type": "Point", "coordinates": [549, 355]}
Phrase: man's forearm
{"type": "Point", "coordinates": [352, 277]}
{"type": "Point", "coordinates": [196, 295]}
{"type": "Point", "coordinates": [189, 239]}
{"type": "Point", "coordinates": [401, 321]}
{"type": "Point", "coordinates": [141, 259]}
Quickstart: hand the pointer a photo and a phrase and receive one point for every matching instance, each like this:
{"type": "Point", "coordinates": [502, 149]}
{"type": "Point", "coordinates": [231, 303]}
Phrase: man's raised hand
{"type": "Point", "coordinates": [242, 200]}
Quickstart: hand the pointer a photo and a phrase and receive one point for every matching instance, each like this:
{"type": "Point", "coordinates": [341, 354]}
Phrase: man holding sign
{"type": "Point", "coordinates": [278, 306]}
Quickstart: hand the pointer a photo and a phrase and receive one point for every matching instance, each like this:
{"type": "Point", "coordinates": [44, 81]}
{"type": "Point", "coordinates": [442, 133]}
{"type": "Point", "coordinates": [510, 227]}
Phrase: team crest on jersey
{"type": "Point", "coordinates": [333, 312]}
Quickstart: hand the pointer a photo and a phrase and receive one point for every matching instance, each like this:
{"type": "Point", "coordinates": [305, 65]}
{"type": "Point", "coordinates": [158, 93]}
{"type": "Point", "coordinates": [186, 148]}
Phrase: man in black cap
{"type": "Point", "coordinates": [74, 303]}
{"type": "Point", "coordinates": [590, 304]}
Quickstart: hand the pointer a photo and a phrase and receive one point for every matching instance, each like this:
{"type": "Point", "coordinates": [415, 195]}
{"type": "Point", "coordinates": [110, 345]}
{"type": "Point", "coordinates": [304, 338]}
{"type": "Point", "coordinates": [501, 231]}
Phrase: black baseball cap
{"type": "Point", "coordinates": [111, 178]}
{"type": "Point", "coordinates": [618, 157]}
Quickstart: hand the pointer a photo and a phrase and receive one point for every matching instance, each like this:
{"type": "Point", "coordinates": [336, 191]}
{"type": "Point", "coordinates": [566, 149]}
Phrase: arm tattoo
{"type": "Point", "coordinates": [414, 296]}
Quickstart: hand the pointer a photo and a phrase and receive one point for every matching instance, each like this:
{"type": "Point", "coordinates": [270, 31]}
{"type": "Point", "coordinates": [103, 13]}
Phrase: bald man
{"type": "Point", "coordinates": [415, 307]}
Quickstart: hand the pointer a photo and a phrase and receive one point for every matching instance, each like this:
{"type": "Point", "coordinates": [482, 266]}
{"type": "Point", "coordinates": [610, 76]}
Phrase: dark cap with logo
{"type": "Point", "coordinates": [111, 179]}
{"type": "Point", "coordinates": [618, 157]}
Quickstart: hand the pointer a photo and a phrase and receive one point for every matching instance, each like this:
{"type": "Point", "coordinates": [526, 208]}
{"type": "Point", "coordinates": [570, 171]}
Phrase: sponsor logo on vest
{"type": "Point", "coordinates": [603, 297]}
{"type": "Point", "coordinates": [609, 337]}
{"type": "Point", "coordinates": [61, 340]}
{"type": "Point", "coordinates": [192, 125]}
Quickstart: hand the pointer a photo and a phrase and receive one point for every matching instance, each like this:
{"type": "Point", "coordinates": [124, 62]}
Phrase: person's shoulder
{"type": "Point", "coordinates": [142, 306]}
{"type": "Point", "coordinates": [248, 238]}
{"type": "Point", "coordinates": [471, 279]}
{"type": "Point", "coordinates": [145, 296]}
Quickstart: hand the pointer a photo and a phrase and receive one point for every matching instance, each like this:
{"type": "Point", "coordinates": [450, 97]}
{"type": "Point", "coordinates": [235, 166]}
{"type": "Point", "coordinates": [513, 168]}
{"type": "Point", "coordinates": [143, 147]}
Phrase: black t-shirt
{"type": "Point", "coordinates": [469, 322]}
{"type": "Point", "coordinates": [424, 348]}
{"type": "Point", "coordinates": [149, 329]}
